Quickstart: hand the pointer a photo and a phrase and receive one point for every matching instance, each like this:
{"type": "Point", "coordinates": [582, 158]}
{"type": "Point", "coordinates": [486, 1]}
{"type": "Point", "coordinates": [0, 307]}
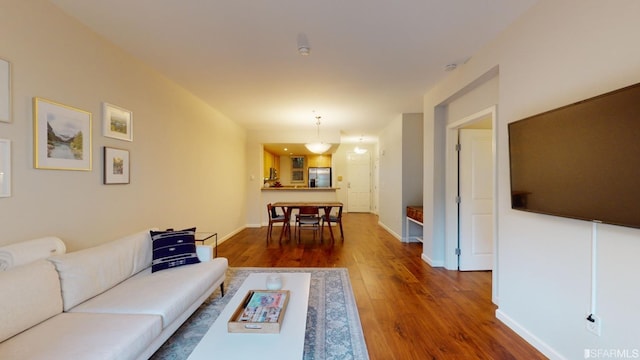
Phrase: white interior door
{"type": "Point", "coordinates": [359, 182]}
{"type": "Point", "coordinates": [476, 200]}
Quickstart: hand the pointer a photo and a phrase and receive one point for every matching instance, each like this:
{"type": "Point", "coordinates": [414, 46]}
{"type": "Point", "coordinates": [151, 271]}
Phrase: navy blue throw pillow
{"type": "Point", "coordinates": [173, 248]}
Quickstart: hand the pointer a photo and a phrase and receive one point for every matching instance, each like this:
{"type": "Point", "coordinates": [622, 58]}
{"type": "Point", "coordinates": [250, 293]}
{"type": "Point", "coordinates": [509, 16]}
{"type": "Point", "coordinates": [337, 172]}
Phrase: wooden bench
{"type": "Point", "coordinates": [414, 215]}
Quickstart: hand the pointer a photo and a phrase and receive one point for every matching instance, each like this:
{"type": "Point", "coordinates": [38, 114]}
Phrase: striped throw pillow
{"type": "Point", "coordinates": [173, 248]}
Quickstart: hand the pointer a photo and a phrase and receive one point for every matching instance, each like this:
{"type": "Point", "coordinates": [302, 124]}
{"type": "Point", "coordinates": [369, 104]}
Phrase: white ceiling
{"type": "Point", "coordinates": [370, 60]}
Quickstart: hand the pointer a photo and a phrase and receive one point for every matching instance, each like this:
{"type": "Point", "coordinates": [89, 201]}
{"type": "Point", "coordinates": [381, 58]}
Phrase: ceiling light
{"type": "Point", "coordinates": [304, 50]}
{"type": "Point", "coordinates": [359, 150]}
{"type": "Point", "coordinates": [318, 147]}
{"type": "Point", "coordinates": [303, 44]}
{"type": "Point", "coordinates": [450, 67]}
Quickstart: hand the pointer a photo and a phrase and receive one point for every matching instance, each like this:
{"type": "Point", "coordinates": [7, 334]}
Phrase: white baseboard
{"type": "Point", "coordinates": [543, 347]}
{"type": "Point", "coordinates": [234, 232]}
{"type": "Point", "coordinates": [412, 239]}
{"type": "Point", "coordinates": [395, 235]}
{"type": "Point", "coordinates": [431, 263]}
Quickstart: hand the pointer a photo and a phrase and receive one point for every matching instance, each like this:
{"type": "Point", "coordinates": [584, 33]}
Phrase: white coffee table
{"type": "Point", "coordinates": [218, 343]}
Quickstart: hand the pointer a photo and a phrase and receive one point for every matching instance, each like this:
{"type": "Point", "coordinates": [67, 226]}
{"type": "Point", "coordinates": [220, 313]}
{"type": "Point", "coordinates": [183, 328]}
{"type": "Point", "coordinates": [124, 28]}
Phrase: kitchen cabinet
{"type": "Point", "coordinates": [271, 161]}
{"type": "Point", "coordinates": [319, 160]}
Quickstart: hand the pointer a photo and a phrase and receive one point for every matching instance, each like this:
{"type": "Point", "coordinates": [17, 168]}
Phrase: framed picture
{"type": "Point", "coordinates": [5, 91]}
{"type": "Point", "coordinates": [5, 168]}
{"type": "Point", "coordinates": [117, 122]}
{"type": "Point", "coordinates": [116, 166]}
{"type": "Point", "coordinates": [61, 136]}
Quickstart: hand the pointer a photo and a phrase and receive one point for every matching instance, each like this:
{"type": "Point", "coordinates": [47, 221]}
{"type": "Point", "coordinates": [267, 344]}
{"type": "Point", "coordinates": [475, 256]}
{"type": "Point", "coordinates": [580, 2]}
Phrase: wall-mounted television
{"type": "Point", "coordinates": [580, 161]}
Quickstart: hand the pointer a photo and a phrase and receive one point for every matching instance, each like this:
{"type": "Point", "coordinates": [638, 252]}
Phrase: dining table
{"type": "Point", "coordinates": [288, 207]}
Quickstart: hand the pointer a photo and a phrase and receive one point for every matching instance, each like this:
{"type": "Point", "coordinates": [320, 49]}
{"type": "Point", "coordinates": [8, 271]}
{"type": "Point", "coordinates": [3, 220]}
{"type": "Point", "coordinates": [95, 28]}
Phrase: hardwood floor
{"type": "Point", "coordinates": [408, 310]}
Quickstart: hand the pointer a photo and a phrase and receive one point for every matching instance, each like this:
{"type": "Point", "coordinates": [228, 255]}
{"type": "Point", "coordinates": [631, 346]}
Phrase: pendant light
{"type": "Point", "coordinates": [358, 150]}
{"type": "Point", "coordinates": [318, 147]}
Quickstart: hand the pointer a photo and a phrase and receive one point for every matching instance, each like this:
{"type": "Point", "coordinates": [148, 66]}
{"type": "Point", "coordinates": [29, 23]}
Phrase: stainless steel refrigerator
{"type": "Point", "coordinates": [319, 177]}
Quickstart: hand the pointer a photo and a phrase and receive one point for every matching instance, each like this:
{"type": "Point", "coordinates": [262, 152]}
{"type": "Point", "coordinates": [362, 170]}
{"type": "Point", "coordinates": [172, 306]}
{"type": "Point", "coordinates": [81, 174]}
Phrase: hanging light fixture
{"type": "Point", "coordinates": [318, 147]}
{"type": "Point", "coordinates": [358, 149]}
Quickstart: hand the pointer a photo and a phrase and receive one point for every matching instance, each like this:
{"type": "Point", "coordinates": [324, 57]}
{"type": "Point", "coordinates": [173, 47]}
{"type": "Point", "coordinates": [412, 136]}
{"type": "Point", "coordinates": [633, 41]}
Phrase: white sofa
{"type": "Point", "coordinates": [101, 303]}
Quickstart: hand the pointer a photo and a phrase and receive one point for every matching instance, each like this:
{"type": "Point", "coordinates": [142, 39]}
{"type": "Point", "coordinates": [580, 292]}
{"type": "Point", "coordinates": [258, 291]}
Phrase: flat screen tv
{"type": "Point", "coordinates": [580, 161]}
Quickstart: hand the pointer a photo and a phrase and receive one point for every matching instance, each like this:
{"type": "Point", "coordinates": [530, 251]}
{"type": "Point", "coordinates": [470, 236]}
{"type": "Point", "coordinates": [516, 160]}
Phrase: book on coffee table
{"type": "Point", "coordinates": [261, 311]}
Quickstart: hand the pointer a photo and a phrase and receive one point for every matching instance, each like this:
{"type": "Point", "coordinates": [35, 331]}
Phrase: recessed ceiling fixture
{"type": "Point", "coordinates": [450, 67]}
{"type": "Point", "coordinates": [318, 147]}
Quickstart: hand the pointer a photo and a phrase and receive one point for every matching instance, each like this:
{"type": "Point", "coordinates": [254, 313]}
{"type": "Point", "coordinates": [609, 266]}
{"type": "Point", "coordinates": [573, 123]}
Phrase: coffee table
{"type": "Point", "coordinates": [218, 343]}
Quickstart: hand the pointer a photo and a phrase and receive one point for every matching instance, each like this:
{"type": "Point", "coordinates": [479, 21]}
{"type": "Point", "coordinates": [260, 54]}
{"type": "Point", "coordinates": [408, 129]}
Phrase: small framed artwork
{"type": "Point", "coordinates": [61, 136]}
{"type": "Point", "coordinates": [5, 91]}
{"type": "Point", "coordinates": [5, 168]}
{"type": "Point", "coordinates": [117, 122]}
{"type": "Point", "coordinates": [116, 166]}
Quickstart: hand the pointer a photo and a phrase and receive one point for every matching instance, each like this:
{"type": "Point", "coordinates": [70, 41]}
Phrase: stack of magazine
{"type": "Point", "coordinates": [262, 307]}
{"type": "Point", "coordinates": [261, 311]}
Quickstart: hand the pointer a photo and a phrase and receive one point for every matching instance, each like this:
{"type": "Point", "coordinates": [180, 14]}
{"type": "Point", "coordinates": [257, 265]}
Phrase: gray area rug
{"type": "Point", "coordinates": [333, 324]}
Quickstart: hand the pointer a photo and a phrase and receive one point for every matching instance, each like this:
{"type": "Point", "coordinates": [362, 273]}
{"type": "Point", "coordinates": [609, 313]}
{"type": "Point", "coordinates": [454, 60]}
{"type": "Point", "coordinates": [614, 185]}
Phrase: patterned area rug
{"type": "Point", "coordinates": [333, 324]}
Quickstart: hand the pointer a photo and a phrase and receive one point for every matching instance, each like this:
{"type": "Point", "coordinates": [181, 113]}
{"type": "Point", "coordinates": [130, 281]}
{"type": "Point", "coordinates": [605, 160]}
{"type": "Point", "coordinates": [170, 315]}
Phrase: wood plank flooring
{"type": "Point", "coordinates": [408, 310]}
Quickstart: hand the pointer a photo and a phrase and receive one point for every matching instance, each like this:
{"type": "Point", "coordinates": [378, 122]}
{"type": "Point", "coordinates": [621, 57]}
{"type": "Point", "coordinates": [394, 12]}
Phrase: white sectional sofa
{"type": "Point", "coordinates": [101, 303]}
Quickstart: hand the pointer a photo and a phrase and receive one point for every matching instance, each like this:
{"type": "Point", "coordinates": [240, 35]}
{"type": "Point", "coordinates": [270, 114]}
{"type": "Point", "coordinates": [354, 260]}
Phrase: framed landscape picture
{"type": "Point", "coordinates": [116, 166]}
{"type": "Point", "coordinates": [61, 136]}
{"type": "Point", "coordinates": [117, 122]}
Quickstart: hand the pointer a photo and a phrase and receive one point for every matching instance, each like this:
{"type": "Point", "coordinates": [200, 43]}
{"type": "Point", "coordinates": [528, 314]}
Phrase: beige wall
{"type": "Point", "coordinates": [400, 171]}
{"type": "Point", "coordinates": [184, 157]}
{"type": "Point", "coordinates": [390, 167]}
{"type": "Point", "coordinates": [559, 52]}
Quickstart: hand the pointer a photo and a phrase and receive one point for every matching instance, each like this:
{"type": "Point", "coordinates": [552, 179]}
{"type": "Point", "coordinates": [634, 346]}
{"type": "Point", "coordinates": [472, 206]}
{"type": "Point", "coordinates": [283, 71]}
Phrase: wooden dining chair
{"type": "Point", "coordinates": [308, 217]}
{"type": "Point", "coordinates": [333, 219]}
{"type": "Point", "coordinates": [274, 217]}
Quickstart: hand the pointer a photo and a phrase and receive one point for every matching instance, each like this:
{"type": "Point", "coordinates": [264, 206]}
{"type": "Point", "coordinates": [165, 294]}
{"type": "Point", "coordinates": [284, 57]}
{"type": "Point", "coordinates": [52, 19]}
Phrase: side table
{"type": "Point", "coordinates": [204, 236]}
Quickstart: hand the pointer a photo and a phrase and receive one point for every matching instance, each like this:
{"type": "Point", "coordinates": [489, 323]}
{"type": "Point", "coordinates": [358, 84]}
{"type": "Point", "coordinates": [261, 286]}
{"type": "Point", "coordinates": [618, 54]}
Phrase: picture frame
{"type": "Point", "coordinates": [5, 168]}
{"type": "Point", "coordinates": [116, 166]}
{"type": "Point", "coordinates": [5, 91]}
{"type": "Point", "coordinates": [61, 136]}
{"type": "Point", "coordinates": [117, 122]}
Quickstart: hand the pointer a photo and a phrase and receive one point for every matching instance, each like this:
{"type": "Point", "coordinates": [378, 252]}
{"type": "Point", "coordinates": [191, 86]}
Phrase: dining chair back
{"type": "Point", "coordinates": [274, 217]}
{"type": "Point", "coordinates": [337, 218]}
{"type": "Point", "coordinates": [308, 217]}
